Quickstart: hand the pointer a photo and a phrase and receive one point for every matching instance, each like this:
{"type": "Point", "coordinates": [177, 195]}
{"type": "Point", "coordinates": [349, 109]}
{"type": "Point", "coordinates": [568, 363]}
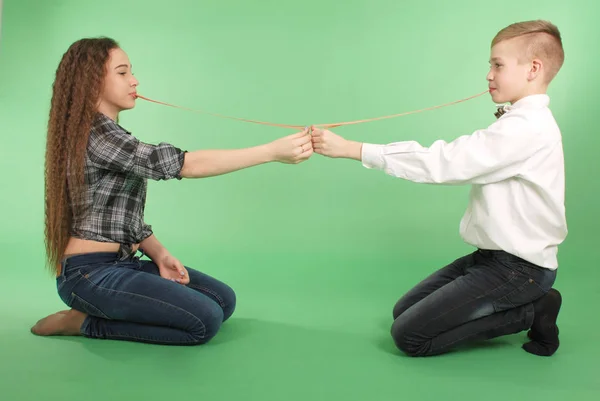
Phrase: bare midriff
{"type": "Point", "coordinates": [78, 246]}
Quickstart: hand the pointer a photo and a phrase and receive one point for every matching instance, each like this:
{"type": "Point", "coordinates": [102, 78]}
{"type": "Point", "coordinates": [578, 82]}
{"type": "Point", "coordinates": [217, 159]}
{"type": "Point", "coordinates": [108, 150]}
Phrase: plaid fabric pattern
{"type": "Point", "coordinates": [117, 167]}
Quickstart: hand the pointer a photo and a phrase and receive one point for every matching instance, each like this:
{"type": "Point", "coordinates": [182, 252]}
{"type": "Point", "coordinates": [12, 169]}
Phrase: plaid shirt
{"type": "Point", "coordinates": [117, 166]}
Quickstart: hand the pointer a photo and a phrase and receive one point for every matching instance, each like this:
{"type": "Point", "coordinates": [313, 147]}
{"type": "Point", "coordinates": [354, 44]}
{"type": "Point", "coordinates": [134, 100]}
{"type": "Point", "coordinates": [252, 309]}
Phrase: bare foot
{"type": "Point", "coordinates": [63, 323]}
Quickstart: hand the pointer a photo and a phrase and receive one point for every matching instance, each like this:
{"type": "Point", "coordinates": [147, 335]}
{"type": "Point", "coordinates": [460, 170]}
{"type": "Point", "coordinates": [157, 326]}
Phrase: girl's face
{"type": "Point", "coordinates": [119, 91]}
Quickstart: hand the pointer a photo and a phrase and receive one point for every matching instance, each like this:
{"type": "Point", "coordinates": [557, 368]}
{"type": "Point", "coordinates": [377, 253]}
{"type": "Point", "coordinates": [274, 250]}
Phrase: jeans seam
{"type": "Point", "coordinates": [141, 339]}
{"type": "Point", "coordinates": [213, 293]}
{"type": "Point", "coordinates": [152, 299]}
{"type": "Point", "coordinates": [518, 289]}
{"type": "Point", "coordinates": [103, 315]}
{"type": "Point", "coordinates": [469, 301]}
{"type": "Point", "coordinates": [77, 274]}
{"type": "Point", "coordinates": [473, 334]}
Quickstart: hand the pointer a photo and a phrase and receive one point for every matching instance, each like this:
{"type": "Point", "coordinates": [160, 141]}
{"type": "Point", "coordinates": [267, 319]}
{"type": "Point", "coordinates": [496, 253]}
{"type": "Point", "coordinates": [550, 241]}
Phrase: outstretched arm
{"type": "Point", "coordinates": [485, 156]}
{"type": "Point", "coordinates": [291, 149]}
{"type": "Point", "coordinates": [117, 150]}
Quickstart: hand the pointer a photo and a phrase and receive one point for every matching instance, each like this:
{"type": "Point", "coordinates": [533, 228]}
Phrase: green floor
{"type": "Point", "coordinates": [300, 333]}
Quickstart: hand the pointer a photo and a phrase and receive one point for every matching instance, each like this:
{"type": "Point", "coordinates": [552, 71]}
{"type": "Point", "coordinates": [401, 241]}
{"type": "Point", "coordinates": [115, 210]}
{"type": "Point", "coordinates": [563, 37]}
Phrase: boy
{"type": "Point", "coordinates": [515, 216]}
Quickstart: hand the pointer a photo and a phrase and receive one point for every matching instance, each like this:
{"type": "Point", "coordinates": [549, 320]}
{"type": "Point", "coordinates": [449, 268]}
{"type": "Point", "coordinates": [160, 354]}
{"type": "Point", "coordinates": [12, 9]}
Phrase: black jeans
{"type": "Point", "coordinates": [480, 296]}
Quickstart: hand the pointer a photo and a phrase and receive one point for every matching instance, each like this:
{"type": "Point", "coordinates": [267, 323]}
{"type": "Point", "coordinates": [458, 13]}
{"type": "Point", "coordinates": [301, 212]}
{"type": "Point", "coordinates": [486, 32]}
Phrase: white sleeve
{"type": "Point", "coordinates": [485, 156]}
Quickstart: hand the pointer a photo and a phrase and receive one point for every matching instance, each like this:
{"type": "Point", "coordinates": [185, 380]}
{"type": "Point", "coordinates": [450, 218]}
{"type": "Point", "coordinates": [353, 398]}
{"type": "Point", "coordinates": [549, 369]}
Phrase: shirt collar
{"type": "Point", "coordinates": [102, 119]}
{"type": "Point", "coordinates": [531, 101]}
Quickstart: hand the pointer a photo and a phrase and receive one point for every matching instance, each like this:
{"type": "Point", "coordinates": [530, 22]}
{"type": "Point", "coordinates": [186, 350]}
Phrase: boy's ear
{"type": "Point", "coordinates": [535, 70]}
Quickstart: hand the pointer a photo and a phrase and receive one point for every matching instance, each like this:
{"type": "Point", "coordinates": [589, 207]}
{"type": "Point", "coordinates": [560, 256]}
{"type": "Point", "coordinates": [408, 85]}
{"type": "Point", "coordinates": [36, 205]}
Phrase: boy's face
{"type": "Point", "coordinates": [508, 79]}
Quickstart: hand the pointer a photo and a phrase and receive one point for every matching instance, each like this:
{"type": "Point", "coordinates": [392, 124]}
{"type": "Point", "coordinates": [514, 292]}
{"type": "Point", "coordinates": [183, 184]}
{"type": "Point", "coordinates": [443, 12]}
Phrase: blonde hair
{"type": "Point", "coordinates": [542, 40]}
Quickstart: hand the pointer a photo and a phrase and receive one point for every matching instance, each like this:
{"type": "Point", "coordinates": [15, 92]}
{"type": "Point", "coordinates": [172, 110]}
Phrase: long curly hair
{"type": "Point", "coordinates": [75, 95]}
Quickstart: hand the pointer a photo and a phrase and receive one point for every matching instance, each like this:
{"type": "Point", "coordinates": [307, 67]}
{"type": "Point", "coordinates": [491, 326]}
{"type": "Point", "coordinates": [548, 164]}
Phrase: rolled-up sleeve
{"type": "Point", "coordinates": [117, 150]}
{"type": "Point", "coordinates": [146, 231]}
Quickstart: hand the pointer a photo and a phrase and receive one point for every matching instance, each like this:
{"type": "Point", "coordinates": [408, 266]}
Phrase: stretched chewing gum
{"type": "Point", "coordinates": [329, 125]}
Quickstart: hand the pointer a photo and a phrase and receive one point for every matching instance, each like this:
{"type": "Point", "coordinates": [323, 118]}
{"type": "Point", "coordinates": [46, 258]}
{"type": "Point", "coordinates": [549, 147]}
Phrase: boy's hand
{"type": "Point", "coordinates": [328, 144]}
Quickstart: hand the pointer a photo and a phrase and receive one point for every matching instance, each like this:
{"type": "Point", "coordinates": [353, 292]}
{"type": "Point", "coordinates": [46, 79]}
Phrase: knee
{"type": "Point", "coordinates": [397, 311]}
{"type": "Point", "coordinates": [229, 300]}
{"type": "Point", "coordinates": [207, 323]}
{"type": "Point", "coordinates": [408, 340]}
{"type": "Point", "coordinates": [401, 306]}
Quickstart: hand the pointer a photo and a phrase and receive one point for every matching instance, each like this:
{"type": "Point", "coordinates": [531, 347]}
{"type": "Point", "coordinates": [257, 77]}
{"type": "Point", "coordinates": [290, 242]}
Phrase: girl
{"type": "Point", "coordinates": [95, 191]}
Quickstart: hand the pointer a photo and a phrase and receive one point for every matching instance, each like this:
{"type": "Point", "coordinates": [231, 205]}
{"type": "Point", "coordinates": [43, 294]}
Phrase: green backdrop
{"type": "Point", "coordinates": [318, 252]}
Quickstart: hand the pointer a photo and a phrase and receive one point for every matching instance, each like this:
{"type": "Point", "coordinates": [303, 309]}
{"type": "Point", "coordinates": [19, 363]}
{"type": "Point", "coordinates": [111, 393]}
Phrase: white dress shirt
{"type": "Point", "coordinates": [516, 171]}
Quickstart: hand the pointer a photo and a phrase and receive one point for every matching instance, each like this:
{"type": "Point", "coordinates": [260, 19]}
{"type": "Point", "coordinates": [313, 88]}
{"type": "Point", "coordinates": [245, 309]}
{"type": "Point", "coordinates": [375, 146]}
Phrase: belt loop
{"type": "Point", "coordinates": [63, 267]}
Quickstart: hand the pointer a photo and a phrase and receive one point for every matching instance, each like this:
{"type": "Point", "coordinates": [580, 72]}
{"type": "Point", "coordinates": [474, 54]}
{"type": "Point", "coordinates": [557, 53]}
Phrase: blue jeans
{"type": "Point", "coordinates": [480, 296]}
{"type": "Point", "coordinates": [128, 300]}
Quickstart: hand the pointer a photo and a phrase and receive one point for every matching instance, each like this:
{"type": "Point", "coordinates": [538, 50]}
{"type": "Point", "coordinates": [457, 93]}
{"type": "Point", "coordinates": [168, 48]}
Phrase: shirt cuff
{"type": "Point", "coordinates": [181, 162]}
{"type": "Point", "coordinates": [372, 156]}
{"type": "Point", "coordinates": [146, 232]}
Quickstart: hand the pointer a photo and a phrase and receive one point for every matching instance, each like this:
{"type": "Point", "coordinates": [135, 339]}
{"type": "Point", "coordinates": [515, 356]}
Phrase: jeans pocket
{"type": "Point", "coordinates": [60, 282]}
{"type": "Point", "coordinates": [525, 290]}
{"type": "Point", "coordinates": [80, 290]}
{"type": "Point", "coordinates": [80, 304]}
{"type": "Point", "coordinates": [89, 271]}
{"type": "Point", "coordinates": [65, 285]}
